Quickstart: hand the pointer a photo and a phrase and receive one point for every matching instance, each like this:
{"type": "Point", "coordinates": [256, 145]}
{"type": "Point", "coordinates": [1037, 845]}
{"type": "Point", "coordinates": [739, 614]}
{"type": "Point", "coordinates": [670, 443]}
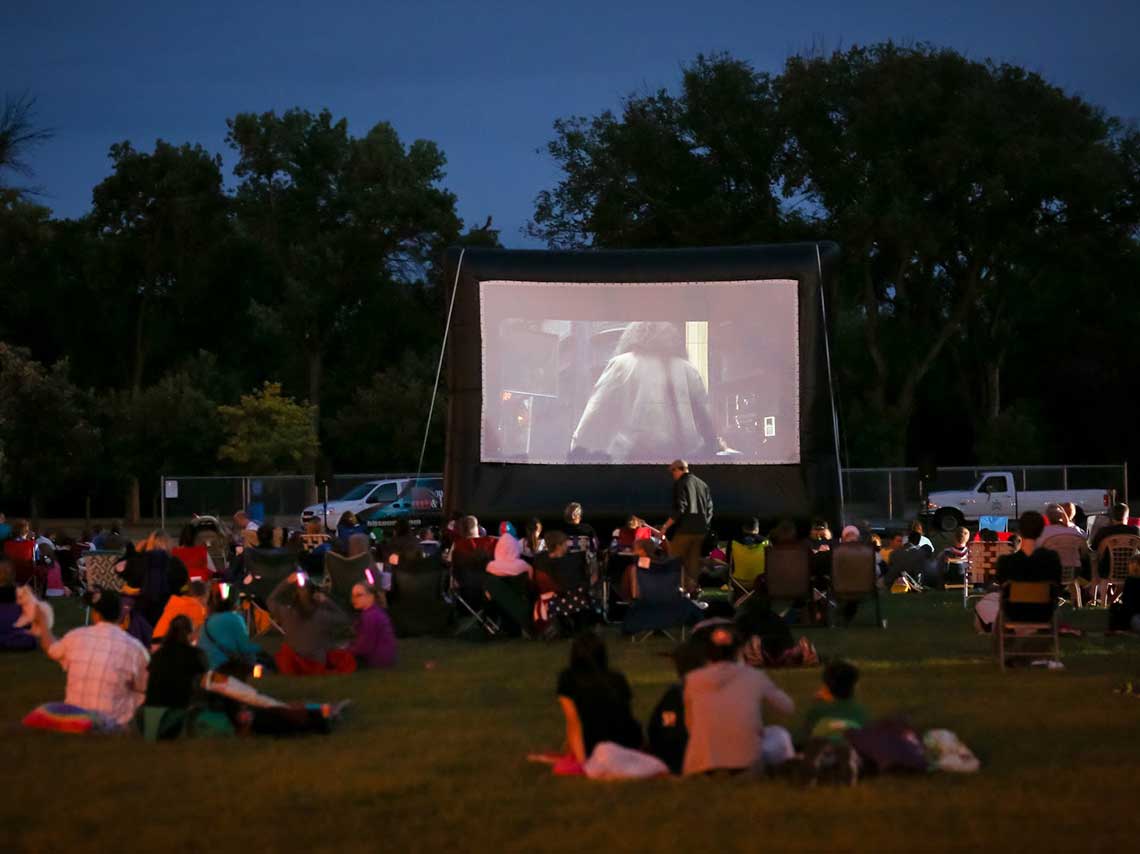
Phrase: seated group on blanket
{"type": "Point", "coordinates": [200, 649]}
{"type": "Point", "coordinates": [713, 720]}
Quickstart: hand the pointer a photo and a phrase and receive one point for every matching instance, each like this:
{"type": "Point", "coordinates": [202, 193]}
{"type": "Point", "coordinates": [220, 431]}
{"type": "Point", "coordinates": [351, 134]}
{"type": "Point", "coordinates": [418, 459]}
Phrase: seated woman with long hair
{"type": "Point", "coordinates": [313, 626]}
{"type": "Point", "coordinates": [595, 700]}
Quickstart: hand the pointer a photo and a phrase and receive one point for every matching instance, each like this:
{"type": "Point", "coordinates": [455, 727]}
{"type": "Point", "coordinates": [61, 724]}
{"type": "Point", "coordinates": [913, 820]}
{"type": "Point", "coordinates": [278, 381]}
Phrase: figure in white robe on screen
{"type": "Point", "coordinates": [650, 403]}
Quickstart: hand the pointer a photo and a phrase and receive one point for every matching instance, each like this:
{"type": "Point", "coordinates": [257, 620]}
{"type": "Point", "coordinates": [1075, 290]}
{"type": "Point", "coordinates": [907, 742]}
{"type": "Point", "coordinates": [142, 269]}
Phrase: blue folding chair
{"type": "Point", "coordinates": [660, 604]}
{"type": "Point", "coordinates": [998, 524]}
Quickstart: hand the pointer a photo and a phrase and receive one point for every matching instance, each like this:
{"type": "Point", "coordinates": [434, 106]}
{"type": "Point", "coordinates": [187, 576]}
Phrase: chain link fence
{"type": "Point", "coordinates": [276, 499]}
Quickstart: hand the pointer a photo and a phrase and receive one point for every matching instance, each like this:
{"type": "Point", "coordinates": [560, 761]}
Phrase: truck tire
{"type": "Point", "coordinates": [947, 520]}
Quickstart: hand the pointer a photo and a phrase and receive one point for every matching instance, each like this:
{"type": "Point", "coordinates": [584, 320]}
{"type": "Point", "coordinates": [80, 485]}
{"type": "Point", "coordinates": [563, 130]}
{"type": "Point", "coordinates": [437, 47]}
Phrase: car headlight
{"type": "Point", "coordinates": [931, 505]}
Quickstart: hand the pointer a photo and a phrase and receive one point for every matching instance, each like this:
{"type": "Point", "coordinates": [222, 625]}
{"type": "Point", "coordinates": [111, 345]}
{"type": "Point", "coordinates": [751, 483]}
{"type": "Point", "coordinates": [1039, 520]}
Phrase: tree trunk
{"type": "Point", "coordinates": [316, 372]}
{"type": "Point", "coordinates": [133, 513]}
{"type": "Point", "coordinates": [137, 367]}
{"type": "Point", "coordinates": [993, 390]}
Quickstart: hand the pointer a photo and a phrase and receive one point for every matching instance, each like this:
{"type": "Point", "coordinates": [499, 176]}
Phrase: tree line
{"type": "Point", "coordinates": [987, 220]}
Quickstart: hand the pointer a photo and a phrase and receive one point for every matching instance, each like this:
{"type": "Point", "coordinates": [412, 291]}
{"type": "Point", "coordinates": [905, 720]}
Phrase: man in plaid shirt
{"type": "Point", "coordinates": [106, 667]}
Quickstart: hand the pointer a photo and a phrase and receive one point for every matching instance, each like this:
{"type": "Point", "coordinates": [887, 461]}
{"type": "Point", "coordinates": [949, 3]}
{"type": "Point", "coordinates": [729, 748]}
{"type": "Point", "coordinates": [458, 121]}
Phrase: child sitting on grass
{"type": "Point", "coordinates": [667, 732]}
{"type": "Point", "coordinates": [835, 710]}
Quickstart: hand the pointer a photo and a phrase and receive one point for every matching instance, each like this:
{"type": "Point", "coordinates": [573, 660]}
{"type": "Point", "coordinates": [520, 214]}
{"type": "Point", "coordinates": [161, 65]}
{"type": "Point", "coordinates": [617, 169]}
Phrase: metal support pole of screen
{"type": "Point", "coordinates": [162, 501]}
{"type": "Point", "coordinates": [439, 367]}
{"type": "Point", "coordinates": [831, 388]}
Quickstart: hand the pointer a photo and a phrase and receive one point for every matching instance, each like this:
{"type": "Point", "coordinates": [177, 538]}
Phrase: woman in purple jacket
{"type": "Point", "coordinates": [375, 641]}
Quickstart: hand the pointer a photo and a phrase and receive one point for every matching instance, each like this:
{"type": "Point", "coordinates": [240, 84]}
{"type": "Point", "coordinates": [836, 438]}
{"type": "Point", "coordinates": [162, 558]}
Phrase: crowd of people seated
{"type": "Point", "coordinates": [160, 637]}
{"type": "Point", "coordinates": [712, 721]}
{"type": "Point", "coordinates": [187, 616]}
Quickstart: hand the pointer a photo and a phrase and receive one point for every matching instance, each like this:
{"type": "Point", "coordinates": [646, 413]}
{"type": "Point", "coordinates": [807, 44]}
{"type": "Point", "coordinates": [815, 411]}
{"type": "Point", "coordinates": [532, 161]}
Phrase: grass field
{"type": "Point", "coordinates": [433, 759]}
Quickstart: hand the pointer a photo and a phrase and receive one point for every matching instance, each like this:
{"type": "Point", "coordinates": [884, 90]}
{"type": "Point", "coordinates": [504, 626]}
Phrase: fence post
{"type": "Point", "coordinates": [891, 495]}
{"type": "Point", "coordinates": [1064, 477]}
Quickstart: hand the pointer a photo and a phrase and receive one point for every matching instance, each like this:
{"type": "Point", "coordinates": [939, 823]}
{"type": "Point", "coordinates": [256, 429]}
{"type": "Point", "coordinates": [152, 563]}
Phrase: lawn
{"type": "Point", "coordinates": [432, 757]}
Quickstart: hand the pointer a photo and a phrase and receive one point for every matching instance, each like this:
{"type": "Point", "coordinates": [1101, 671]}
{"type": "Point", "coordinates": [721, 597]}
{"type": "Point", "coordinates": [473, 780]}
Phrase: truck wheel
{"type": "Point", "coordinates": [947, 520]}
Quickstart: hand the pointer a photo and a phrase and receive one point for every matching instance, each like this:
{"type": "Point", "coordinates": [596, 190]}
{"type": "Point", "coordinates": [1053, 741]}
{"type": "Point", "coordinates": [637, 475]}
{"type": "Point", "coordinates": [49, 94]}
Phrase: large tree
{"type": "Point", "coordinates": [692, 169]}
{"type": "Point", "coordinates": [958, 190]}
{"type": "Point", "coordinates": [19, 133]}
{"type": "Point", "coordinates": [44, 437]}
{"type": "Point", "coordinates": [347, 223]}
{"type": "Point", "coordinates": [956, 187]}
{"type": "Point", "coordinates": [159, 216]}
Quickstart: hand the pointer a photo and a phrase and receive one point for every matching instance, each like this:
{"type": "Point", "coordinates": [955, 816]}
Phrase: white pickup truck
{"type": "Point", "coordinates": [996, 494]}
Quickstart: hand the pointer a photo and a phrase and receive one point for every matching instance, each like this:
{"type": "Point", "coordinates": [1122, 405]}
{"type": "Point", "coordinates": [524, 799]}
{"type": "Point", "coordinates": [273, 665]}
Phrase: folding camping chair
{"type": "Point", "coordinates": [660, 603]}
{"type": "Point", "coordinates": [1112, 557]}
{"type": "Point", "coordinates": [572, 605]}
{"type": "Point", "coordinates": [1070, 548]}
{"type": "Point", "coordinates": [963, 566]}
{"type": "Point", "coordinates": [265, 570]}
{"type": "Point", "coordinates": [97, 572]}
{"type": "Point", "coordinates": [853, 578]}
{"type": "Point", "coordinates": [997, 524]}
{"type": "Point", "coordinates": [416, 604]}
{"type": "Point", "coordinates": [196, 559]}
{"type": "Point", "coordinates": [745, 565]}
{"type": "Point", "coordinates": [469, 592]}
{"type": "Point", "coordinates": [585, 545]}
{"type": "Point", "coordinates": [617, 564]}
{"type": "Point", "coordinates": [311, 541]}
{"type": "Point", "coordinates": [1026, 593]}
{"type": "Point", "coordinates": [342, 572]}
{"type": "Point", "coordinates": [787, 572]}
{"type": "Point", "coordinates": [22, 555]}
{"type": "Point", "coordinates": [983, 561]}
{"type": "Point", "coordinates": [214, 540]}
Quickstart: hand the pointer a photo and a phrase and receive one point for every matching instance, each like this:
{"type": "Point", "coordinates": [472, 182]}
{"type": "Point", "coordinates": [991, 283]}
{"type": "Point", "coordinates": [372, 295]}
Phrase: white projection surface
{"type": "Point", "coordinates": [640, 373]}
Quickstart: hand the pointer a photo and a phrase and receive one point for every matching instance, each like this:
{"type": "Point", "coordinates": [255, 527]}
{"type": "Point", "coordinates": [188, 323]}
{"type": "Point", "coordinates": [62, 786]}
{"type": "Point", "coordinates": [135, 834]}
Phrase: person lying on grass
{"type": "Point", "coordinates": [595, 700]}
{"type": "Point", "coordinates": [723, 704]}
{"type": "Point", "coordinates": [835, 709]}
{"type": "Point", "coordinates": [313, 626]}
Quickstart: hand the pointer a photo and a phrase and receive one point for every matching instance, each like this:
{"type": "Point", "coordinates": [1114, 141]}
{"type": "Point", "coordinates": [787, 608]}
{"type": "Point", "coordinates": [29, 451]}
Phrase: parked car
{"type": "Point", "coordinates": [996, 494]}
{"type": "Point", "coordinates": [376, 494]}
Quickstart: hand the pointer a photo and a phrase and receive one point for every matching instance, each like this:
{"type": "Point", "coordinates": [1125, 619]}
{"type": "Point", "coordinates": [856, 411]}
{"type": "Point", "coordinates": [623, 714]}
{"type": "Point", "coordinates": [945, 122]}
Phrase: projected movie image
{"type": "Point", "coordinates": [640, 373]}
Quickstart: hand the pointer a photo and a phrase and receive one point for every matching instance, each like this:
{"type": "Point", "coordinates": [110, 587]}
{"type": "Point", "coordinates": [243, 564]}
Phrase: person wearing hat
{"type": "Point", "coordinates": [106, 667]}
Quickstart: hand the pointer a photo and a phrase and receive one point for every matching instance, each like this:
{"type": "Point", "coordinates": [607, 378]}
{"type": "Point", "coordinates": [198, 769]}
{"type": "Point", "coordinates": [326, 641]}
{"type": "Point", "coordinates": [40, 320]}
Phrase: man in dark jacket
{"type": "Point", "coordinates": [689, 523]}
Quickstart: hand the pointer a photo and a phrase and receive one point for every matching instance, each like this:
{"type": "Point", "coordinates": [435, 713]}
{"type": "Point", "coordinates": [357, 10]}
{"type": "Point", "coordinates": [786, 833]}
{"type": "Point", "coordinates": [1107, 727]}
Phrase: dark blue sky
{"type": "Point", "coordinates": [485, 80]}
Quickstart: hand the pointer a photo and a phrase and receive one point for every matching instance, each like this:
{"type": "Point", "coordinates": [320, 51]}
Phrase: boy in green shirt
{"type": "Point", "coordinates": [835, 709]}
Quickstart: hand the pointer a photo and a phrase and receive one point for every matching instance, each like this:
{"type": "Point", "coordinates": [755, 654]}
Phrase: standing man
{"type": "Point", "coordinates": [692, 515]}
